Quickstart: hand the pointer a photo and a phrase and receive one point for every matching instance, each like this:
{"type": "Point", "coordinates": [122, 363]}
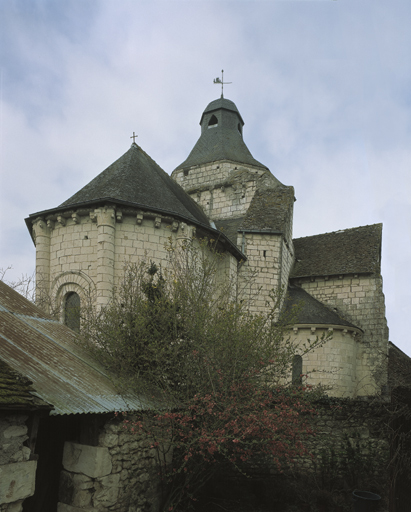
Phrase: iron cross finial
{"type": "Point", "coordinates": [221, 82]}
{"type": "Point", "coordinates": [134, 137]}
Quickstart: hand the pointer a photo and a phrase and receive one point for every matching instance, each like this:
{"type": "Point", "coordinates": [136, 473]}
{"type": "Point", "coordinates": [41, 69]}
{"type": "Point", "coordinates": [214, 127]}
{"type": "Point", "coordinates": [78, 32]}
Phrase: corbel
{"type": "Point", "coordinates": [174, 226]}
{"type": "Point", "coordinates": [313, 329]}
{"type": "Point", "coordinates": [50, 224]}
{"type": "Point", "coordinates": [93, 216]}
{"type": "Point", "coordinates": [157, 222]}
{"type": "Point", "coordinates": [345, 332]}
{"type": "Point", "coordinates": [330, 330]}
{"type": "Point", "coordinates": [61, 220]}
{"type": "Point", "coordinates": [76, 218]}
{"type": "Point", "coordinates": [295, 329]}
{"type": "Point", "coordinates": [139, 218]}
{"type": "Point", "coordinates": [119, 216]}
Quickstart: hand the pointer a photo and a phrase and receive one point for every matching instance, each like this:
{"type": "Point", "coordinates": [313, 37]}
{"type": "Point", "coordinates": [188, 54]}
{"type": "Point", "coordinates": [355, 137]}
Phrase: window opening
{"type": "Point", "coordinates": [297, 377]}
{"type": "Point", "coordinates": [213, 122]}
{"type": "Point", "coordinates": [72, 311]}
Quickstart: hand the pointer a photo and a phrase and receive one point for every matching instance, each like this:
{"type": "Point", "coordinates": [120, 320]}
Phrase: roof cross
{"type": "Point", "coordinates": [221, 81]}
{"type": "Point", "coordinates": [134, 137]}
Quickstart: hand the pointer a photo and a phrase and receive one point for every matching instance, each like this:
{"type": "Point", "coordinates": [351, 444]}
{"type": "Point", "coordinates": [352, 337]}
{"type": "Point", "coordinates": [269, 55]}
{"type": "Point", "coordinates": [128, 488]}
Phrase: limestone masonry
{"type": "Point", "coordinates": [133, 208]}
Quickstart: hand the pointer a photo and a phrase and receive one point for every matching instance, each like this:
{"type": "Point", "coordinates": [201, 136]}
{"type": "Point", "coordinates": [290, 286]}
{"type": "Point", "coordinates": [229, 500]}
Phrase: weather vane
{"type": "Point", "coordinates": [218, 81]}
{"type": "Point", "coordinates": [134, 137]}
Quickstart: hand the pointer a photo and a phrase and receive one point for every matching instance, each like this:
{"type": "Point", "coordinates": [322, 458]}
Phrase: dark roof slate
{"type": "Point", "coordinates": [270, 209]}
{"type": "Point", "coordinates": [223, 142]}
{"type": "Point", "coordinates": [230, 228]}
{"type": "Point", "coordinates": [221, 103]}
{"type": "Point", "coordinates": [302, 308]}
{"type": "Point", "coordinates": [16, 391]}
{"type": "Point", "coordinates": [349, 251]}
{"type": "Point", "coordinates": [137, 180]}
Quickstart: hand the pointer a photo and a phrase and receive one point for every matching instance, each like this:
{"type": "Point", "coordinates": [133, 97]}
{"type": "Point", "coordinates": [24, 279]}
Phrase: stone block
{"type": "Point", "coordinates": [17, 481]}
{"type": "Point", "coordinates": [15, 431]}
{"type": "Point", "coordinates": [93, 461]}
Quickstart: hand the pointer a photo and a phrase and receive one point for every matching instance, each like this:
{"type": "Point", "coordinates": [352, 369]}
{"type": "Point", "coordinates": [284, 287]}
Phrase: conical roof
{"type": "Point", "coordinates": [221, 137]}
{"type": "Point", "coordinates": [137, 180]}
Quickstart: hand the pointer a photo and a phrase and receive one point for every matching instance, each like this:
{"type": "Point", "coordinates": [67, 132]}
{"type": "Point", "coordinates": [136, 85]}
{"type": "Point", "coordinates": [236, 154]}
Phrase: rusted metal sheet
{"type": "Point", "coordinates": [46, 352]}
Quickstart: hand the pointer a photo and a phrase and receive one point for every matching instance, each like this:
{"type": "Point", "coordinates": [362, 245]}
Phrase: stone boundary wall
{"type": "Point", "coordinates": [17, 472]}
{"type": "Point", "coordinates": [350, 450]}
{"type": "Point", "coordinates": [117, 475]}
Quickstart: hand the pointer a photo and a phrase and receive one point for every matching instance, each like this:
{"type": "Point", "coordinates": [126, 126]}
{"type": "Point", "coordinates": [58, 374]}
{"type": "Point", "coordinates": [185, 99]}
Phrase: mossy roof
{"type": "Point", "coordinates": [270, 209]}
{"type": "Point", "coordinates": [349, 251]}
{"type": "Point", "coordinates": [16, 391]}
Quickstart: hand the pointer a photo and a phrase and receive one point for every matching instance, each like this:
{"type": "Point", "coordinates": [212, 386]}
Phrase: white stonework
{"type": "Point", "coordinates": [84, 249]}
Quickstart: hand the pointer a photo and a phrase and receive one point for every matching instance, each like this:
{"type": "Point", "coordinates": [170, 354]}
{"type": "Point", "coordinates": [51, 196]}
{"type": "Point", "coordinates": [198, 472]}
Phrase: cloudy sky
{"type": "Point", "coordinates": [324, 88]}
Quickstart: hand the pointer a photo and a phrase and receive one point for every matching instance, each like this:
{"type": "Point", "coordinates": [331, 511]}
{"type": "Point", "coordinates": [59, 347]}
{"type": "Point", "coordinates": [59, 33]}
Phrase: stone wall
{"type": "Point", "coordinates": [332, 364]}
{"type": "Point", "coordinates": [17, 472]}
{"type": "Point", "coordinates": [224, 190]}
{"type": "Point", "coordinates": [117, 475]}
{"type": "Point", "coordinates": [360, 300]}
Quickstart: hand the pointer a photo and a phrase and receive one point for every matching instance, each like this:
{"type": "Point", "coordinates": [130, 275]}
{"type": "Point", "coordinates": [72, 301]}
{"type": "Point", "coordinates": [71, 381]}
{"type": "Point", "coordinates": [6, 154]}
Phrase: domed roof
{"type": "Point", "coordinates": [219, 104]}
{"type": "Point", "coordinates": [221, 137]}
{"type": "Point", "coordinates": [136, 180]}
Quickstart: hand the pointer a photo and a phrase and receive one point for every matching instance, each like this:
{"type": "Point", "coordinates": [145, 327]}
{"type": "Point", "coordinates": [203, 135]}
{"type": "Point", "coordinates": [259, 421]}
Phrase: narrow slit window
{"type": "Point", "coordinates": [297, 369]}
{"type": "Point", "coordinates": [72, 311]}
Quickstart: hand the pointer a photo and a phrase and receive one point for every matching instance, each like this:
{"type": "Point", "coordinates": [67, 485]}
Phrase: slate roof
{"type": "Point", "coordinates": [17, 392]}
{"type": "Point", "coordinates": [46, 353]}
{"type": "Point", "coordinates": [135, 179]}
{"type": "Point", "coordinates": [349, 251]}
{"type": "Point", "coordinates": [230, 228]}
{"type": "Point", "coordinates": [269, 209]}
{"type": "Point", "coordinates": [221, 103]}
{"type": "Point", "coordinates": [224, 142]}
{"type": "Point", "coordinates": [308, 310]}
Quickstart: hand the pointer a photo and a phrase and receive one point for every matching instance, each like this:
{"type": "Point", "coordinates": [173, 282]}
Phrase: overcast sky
{"type": "Point", "coordinates": [324, 88]}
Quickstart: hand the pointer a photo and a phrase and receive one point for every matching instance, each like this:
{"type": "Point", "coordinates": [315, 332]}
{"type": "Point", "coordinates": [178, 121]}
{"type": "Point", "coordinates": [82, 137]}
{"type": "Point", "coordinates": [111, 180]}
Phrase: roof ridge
{"type": "Point", "coordinates": [339, 230]}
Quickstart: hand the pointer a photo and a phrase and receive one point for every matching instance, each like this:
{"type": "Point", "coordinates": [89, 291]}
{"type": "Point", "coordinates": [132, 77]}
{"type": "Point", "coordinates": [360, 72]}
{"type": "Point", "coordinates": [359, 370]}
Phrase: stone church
{"type": "Point", "coordinates": [132, 208]}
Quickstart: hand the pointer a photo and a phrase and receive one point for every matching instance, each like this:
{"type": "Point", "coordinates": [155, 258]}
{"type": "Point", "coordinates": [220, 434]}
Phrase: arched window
{"type": "Point", "coordinates": [72, 311]}
{"type": "Point", "coordinates": [297, 378]}
{"type": "Point", "coordinates": [213, 122]}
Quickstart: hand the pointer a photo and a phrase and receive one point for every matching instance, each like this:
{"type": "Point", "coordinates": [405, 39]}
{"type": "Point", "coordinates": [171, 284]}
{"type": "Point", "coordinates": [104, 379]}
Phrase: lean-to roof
{"type": "Point", "coordinates": [303, 309]}
{"type": "Point", "coordinates": [46, 353]}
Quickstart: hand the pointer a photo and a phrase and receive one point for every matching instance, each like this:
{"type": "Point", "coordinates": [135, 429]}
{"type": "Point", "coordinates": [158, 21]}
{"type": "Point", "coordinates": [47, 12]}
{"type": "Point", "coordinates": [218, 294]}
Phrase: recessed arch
{"type": "Point", "coordinates": [72, 282]}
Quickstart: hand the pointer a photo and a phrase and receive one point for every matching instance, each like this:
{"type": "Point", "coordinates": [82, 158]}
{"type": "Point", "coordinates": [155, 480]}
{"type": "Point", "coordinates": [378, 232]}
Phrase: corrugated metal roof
{"type": "Point", "coordinates": [45, 351]}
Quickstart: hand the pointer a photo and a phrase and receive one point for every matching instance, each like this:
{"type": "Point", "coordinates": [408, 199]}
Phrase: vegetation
{"type": "Point", "coordinates": [183, 337]}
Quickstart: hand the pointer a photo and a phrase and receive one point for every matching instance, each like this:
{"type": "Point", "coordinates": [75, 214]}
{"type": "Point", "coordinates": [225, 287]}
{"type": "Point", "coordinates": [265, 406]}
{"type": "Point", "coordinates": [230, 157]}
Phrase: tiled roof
{"type": "Point", "coordinates": [45, 352]}
{"type": "Point", "coordinates": [350, 251]}
{"type": "Point", "coordinates": [222, 142]}
{"type": "Point", "coordinates": [230, 228]}
{"type": "Point", "coordinates": [135, 179]}
{"type": "Point", "coordinates": [270, 209]}
{"type": "Point", "coordinates": [17, 392]}
{"type": "Point", "coordinates": [304, 309]}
